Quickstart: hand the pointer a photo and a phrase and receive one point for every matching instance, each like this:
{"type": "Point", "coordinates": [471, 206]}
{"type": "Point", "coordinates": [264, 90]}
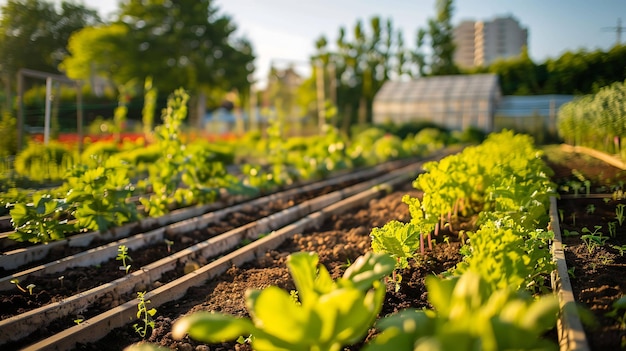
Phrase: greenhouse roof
{"type": "Point", "coordinates": [475, 86]}
{"type": "Point", "coordinates": [541, 105]}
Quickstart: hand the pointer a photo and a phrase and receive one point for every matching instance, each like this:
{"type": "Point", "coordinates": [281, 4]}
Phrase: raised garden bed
{"type": "Point", "coordinates": [592, 241]}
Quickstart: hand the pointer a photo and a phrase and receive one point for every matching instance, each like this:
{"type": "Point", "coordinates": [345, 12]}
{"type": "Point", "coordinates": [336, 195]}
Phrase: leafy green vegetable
{"type": "Point", "coordinates": [330, 313]}
{"type": "Point", "coordinates": [40, 220]}
{"type": "Point", "coordinates": [469, 315]}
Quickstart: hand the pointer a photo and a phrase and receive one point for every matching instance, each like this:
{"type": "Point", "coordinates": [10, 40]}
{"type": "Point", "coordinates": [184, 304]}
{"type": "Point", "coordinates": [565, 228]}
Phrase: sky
{"type": "Point", "coordinates": [284, 31]}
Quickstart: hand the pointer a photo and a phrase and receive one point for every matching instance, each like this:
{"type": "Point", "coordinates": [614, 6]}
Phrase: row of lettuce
{"type": "Point", "coordinates": [597, 121]}
{"type": "Point", "coordinates": [496, 298]}
{"type": "Point", "coordinates": [95, 189]}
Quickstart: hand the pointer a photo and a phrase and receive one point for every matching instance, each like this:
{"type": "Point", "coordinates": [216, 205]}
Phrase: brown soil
{"type": "Point", "coordinates": [596, 273]}
{"type": "Point", "coordinates": [341, 240]}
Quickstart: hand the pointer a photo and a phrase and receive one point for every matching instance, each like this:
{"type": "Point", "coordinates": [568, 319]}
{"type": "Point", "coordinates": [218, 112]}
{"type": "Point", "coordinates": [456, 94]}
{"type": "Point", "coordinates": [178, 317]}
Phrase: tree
{"type": "Point", "coordinates": [440, 35]}
{"type": "Point", "coordinates": [184, 43]}
{"type": "Point", "coordinates": [517, 75]}
{"type": "Point", "coordinates": [101, 51]}
{"type": "Point", "coordinates": [34, 35]}
{"type": "Point", "coordinates": [360, 65]}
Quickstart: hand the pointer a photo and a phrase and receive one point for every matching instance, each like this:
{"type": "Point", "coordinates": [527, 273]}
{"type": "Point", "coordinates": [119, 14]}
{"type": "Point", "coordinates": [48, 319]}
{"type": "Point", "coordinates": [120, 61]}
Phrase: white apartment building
{"type": "Point", "coordinates": [479, 43]}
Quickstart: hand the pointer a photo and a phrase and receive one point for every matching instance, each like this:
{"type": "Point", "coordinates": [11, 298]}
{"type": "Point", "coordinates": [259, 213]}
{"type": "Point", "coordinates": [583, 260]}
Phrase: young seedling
{"type": "Point", "coordinates": [593, 239]}
{"type": "Point", "coordinates": [570, 272]}
{"type": "Point", "coordinates": [621, 249]}
{"type": "Point", "coordinates": [612, 229]}
{"type": "Point", "coordinates": [591, 209]}
{"type": "Point", "coordinates": [145, 315]}
{"type": "Point", "coordinates": [30, 288]}
{"type": "Point", "coordinates": [576, 186]}
{"type": "Point", "coordinates": [169, 244]}
{"type": "Point", "coordinates": [619, 213]}
{"type": "Point", "coordinates": [606, 200]}
{"type": "Point", "coordinates": [79, 319]}
{"type": "Point", "coordinates": [446, 239]}
{"type": "Point", "coordinates": [570, 233]}
{"type": "Point", "coordinates": [61, 278]}
{"type": "Point", "coordinates": [122, 255]}
{"type": "Point", "coordinates": [17, 284]}
{"type": "Point", "coordinates": [561, 213]}
{"type": "Point", "coordinates": [574, 219]}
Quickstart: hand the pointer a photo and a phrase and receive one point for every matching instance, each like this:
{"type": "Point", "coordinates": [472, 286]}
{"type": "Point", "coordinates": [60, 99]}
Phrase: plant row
{"type": "Point", "coordinates": [490, 301]}
{"type": "Point", "coordinates": [172, 173]}
{"type": "Point", "coordinates": [597, 121]}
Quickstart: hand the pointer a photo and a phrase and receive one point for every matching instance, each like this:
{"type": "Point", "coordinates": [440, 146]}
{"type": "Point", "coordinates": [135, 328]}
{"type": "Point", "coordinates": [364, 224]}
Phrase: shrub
{"type": "Point", "coordinates": [44, 162]}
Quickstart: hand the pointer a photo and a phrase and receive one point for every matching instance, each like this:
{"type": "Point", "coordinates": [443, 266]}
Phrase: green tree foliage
{"type": "Point", "coordinates": [360, 65]}
{"type": "Point", "coordinates": [187, 43]}
{"type": "Point", "coordinates": [440, 35]}
{"type": "Point", "coordinates": [179, 43]}
{"type": "Point", "coordinates": [34, 33]}
{"type": "Point", "coordinates": [8, 142]}
{"type": "Point", "coordinates": [580, 72]}
{"type": "Point", "coordinates": [102, 51]}
{"type": "Point", "coordinates": [518, 75]}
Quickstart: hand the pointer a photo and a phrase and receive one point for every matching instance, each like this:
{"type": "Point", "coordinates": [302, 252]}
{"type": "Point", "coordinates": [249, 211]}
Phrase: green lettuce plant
{"type": "Point", "coordinates": [328, 315]}
{"type": "Point", "coordinates": [100, 195]}
{"type": "Point", "coordinates": [41, 220]}
{"type": "Point", "coordinates": [507, 255]}
{"type": "Point", "coordinates": [468, 315]}
{"type": "Point", "coordinates": [403, 241]}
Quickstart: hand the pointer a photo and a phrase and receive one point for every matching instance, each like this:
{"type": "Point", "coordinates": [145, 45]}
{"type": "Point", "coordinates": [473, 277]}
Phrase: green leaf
{"type": "Point", "coordinates": [212, 327]}
{"type": "Point", "coordinates": [19, 214]}
{"type": "Point", "coordinates": [310, 280]}
{"type": "Point", "coordinates": [367, 269]}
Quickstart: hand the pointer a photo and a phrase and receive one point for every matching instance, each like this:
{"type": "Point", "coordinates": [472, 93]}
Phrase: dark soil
{"type": "Point", "coordinates": [342, 239]}
{"type": "Point", "coordinates": [596, 273]}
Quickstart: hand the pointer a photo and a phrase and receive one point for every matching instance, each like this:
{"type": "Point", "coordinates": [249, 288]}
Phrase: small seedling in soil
{"type": "Point", "coordinates": [591, 209]}
{"type": "Point", "coordinates": [61, 278]}
{"type": "Point", "coordinates": [619, 213]}
{"type": "Point", "coordinates": [621, 249]}
{"type": "Point", "coordinates": [570, 233]}
{"type": "Point", "coordinates": [17, 284]}
{"type": "Point", "coordinates": [561, 212]}
{"type": "Point", "coordinates": [30, 288]}
{"type": "Point", "coordinates": [606, 200]}
{"type": "Point", "coordinates": [79, 319]}
{"type": "Point", "coordinates": [612, 229]}
{"type": "Point", "coordinates": [574, 219]}
{"type": "Point", "coordinates": [593, 239]}
{"type": "Point", "coordinates": [576, 186]}
{"type": "Point", "coordinates": [122, 255]}
{"type": "Point", "coordinates": [169, 244]}
{"type": "Point", "coordinates": [145, 315]}
{"type": "Point", "coordinates": [570, 272]}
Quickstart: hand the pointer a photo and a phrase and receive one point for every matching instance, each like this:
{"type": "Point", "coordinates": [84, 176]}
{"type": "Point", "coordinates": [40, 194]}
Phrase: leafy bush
{"type": "Point", "coordinates": [96, 153]}
{"type": "Point", "coordinates": [8, 130]}
{"type": "Point", "coordinates": [44, 162]}
{"type": "Point", "coordinates": [597, 121]}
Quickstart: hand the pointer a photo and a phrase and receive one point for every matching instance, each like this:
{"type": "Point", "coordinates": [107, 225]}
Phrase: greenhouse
{"type": "Point", "coordinates": [456, 102]}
